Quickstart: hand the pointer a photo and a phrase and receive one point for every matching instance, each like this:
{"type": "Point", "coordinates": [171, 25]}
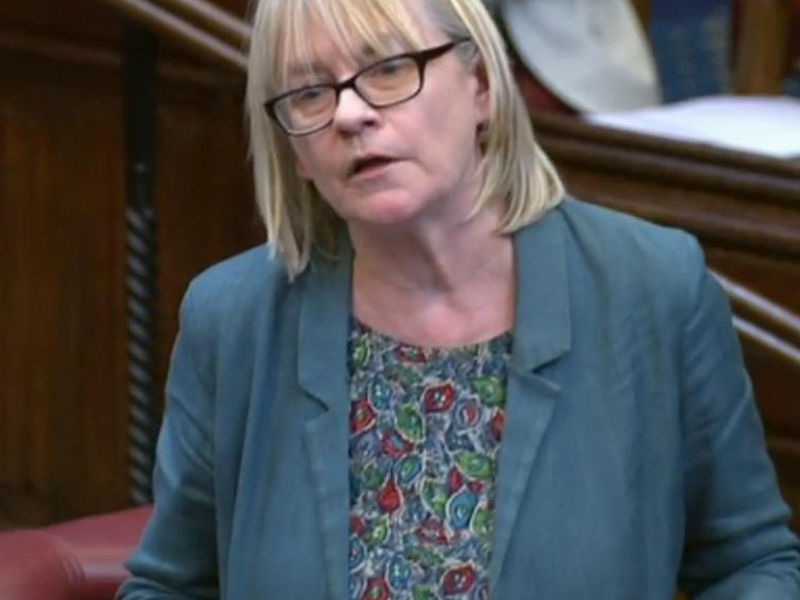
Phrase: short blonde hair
{"type": "Point", "coordinates": [514, 167]}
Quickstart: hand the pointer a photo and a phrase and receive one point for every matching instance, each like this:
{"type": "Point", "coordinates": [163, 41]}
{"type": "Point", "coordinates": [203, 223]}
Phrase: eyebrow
{"type": "Point", "coordinates": [316, 67]}
{"type": "Point", "coordinates": [300, 69]}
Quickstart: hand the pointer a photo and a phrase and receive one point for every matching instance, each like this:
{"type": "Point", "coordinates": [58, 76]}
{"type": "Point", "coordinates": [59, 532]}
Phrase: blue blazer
{"type": "Point", "coordinates": [632, 458]}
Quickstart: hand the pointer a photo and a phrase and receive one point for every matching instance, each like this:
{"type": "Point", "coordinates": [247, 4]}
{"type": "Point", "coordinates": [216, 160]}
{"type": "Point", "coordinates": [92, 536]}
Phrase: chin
{"type": "Point", "coordinates": [386, 209]}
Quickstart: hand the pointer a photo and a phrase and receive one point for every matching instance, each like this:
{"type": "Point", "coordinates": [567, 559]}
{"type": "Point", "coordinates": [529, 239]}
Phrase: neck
{"type": "Point", "coordinates": [435, 285]}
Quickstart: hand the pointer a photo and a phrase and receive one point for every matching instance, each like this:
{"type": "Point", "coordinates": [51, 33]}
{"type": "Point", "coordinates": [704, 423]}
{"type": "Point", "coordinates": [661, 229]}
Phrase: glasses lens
{"type": "Point", "coordinates": [389, 81]}
{"type": "Point", "coordinates": [307, 108]}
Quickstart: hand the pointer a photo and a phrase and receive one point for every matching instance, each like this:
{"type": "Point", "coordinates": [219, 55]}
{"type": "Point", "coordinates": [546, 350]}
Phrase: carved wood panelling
{"type": "Point", "coordinates": [63, 399]}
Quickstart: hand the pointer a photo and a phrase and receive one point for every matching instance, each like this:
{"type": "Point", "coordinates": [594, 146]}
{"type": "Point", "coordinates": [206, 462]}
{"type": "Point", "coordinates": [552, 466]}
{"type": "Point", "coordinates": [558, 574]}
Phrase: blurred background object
{"type": "Point", "coordinates": [592, 54]}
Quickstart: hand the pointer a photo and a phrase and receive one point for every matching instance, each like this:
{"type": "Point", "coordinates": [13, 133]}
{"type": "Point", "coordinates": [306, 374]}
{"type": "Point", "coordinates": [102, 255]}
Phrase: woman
{"type": "Point", "coordinates": [440, 380]}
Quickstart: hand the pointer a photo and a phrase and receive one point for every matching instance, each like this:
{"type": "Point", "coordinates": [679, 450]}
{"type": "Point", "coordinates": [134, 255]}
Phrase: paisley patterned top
{"type": "Point", "coordinates": [425, 428]}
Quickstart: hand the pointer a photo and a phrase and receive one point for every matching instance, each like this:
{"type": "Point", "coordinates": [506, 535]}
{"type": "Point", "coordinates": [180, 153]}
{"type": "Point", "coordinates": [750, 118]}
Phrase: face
{"type": "Point", "coordinates": [406, 164]}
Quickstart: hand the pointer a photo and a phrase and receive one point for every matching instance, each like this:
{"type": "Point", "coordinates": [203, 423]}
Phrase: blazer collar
{"type": "Point", "coordinates": [542, 327]}
{"type": "Point", "coordinates": [541, 335]}
{"type": "Point", "coordinates": [324, 327]}
{"type": "Point", "coordinates": [322, 373]}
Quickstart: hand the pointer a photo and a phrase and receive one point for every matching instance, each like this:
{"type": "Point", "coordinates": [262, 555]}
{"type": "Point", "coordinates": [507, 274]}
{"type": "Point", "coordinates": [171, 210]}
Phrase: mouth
{"type": "Point", "coordinates": [368, 164]}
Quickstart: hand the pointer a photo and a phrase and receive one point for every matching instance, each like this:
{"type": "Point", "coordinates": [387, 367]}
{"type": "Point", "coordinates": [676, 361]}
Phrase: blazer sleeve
{"type": "Point", "coordinates": [177, 556]}
{"type": "Point", "coordinates": [738, 543]}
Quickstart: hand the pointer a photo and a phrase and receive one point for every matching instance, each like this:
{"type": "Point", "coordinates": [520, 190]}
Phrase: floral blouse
{"type": "Point", "coordinates": [425, 429]}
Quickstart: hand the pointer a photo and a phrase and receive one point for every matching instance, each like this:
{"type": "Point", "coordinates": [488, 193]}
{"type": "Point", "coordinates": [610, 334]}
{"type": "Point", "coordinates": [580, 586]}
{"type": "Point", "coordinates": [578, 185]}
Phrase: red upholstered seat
{"type": "Point", "coordinates": [76, 560]}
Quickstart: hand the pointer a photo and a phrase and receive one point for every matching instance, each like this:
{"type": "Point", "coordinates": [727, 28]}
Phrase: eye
{"type": "Point", "coordinates": [309, 96]}
{"type": "Point", "coordinates": [390, 70]}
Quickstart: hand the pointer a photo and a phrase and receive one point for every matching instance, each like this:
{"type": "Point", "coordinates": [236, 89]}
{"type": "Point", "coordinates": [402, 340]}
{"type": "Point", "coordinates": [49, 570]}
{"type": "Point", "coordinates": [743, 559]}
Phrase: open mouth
{"type": "Point", "coordinates": [367, 165]}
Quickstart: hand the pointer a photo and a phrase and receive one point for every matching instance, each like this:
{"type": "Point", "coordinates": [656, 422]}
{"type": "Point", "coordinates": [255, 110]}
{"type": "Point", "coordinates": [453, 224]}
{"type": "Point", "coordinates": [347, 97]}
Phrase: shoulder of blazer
{"type": "Point", "coordinates": [224, 304]}
{"type": "Point", "coordinates": [235, 289]}
{"type": "Point", "coordinates": [634, 259]}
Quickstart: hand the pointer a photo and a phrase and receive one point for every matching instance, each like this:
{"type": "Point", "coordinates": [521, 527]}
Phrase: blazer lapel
{"type": "Point", "coordinates": [541, 335]}
{"type": "Point", "coordinates": [322, 373]}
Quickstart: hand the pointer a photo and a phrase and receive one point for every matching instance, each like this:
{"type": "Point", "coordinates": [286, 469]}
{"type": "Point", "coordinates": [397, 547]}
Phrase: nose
{"type": "Point", "coordinates": [353, 113]}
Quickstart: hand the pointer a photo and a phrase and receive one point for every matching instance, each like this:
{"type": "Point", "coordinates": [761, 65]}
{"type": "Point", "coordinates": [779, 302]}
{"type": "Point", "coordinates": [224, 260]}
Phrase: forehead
{"type": "Point", "coordinates": [315, 30]}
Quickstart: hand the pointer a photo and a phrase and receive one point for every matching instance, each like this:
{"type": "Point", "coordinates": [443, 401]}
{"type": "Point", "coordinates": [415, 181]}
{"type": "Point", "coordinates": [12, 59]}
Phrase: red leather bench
{"type": "Point", "coordinates": [74, 560]}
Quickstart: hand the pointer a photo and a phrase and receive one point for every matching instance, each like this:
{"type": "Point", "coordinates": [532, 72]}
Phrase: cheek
{"type": "Point", "coordinates": [446, 139]}
{"type": "Point", "coordinates": [302, 161]}
{"type": "Point", "coordinates": [312, 167]}
{"type": "Point", "coordinates": [303, 171]}
{"type": "Point", "coordinates": [310, 159]}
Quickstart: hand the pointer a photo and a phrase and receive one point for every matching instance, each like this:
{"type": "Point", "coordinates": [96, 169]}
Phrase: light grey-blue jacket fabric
{"type": "Point", "coordinates": [632, 457]}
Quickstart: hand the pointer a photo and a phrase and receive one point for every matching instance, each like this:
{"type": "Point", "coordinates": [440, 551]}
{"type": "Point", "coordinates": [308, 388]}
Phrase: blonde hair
{"type": "Point", "coordinates": [514, 167]}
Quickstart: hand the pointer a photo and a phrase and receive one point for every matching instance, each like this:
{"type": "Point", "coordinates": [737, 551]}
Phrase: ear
{"type": "Point", "coordinates": [481, 90]}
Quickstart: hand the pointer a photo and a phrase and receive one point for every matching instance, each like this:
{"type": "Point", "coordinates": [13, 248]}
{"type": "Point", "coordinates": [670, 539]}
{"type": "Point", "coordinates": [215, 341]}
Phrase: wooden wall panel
{"type": "Point", "coordinates": [61, 282]}
{"type": "Point", "coordinates": [63, 399]}
{"type": "Point", "coordinates": [763, 46]}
